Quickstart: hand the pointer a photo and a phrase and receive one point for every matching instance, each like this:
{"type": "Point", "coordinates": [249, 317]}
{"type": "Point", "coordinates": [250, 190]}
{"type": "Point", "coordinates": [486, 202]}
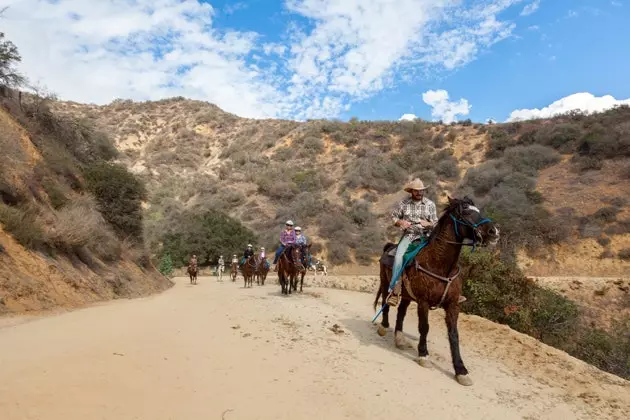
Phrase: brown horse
{"type": "Point", "coordinates": [433, 280]}
{"type": "Point", "coordinates": [262, 269]}
{"type": "Point", "coordinates": [234, 271]}
{"type": "Point", "coordinates": [303, 266]}
{"type": "Point", "coordinates": [289, 265]}
{"type": "Point", "coordinates": [248, 269]}
{"type": "Point", "coordinates": [192, 272]}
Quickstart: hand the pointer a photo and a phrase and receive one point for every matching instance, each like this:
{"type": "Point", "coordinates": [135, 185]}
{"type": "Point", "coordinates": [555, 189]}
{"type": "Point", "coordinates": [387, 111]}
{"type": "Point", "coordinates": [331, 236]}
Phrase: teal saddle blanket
{"type": "Point", "coordinates": [414, 248]}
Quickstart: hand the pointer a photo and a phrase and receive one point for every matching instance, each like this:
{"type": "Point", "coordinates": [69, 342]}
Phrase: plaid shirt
{"type": "Point", "coordinates": [301, 240]}
{"type": "Point", "coordinates": [414, 211]}
{"type": "Point", "coordinates": [287, 237]}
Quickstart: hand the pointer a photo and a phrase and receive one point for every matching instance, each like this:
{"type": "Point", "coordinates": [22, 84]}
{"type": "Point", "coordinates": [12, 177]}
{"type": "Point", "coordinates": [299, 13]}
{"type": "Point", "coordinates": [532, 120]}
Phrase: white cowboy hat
{"type": "Point", "coordinates": [416, 184]}
{"type": "Point", "coordinates": [298, 228]}
{"type": "Point", "coordinates": [262, 248]}
{"type": "Point", "coordinates": [249, 245]}
{"type": "Point", "coordinates": [289, 222]}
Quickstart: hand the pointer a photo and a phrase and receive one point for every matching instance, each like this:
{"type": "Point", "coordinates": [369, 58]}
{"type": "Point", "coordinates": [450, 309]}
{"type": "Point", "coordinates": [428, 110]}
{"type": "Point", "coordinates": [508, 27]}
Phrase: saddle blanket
{"type": "Point", "coordinates": [387, 259]}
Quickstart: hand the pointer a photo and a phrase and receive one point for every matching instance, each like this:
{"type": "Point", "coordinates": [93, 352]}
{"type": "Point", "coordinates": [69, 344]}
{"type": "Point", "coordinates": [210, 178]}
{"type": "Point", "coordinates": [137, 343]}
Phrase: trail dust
{"type": "Point", "coordinates": [216, 350]}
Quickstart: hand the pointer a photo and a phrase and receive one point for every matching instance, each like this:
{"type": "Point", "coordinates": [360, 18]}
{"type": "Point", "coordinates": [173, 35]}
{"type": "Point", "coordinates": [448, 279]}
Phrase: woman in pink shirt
{"type": "Point", "coordinates": [287, 237]}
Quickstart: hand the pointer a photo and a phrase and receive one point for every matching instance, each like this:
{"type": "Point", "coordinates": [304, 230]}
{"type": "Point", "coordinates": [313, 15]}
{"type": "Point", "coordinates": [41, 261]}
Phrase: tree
{"type": "Point", "coordinates": [9, 57]}
{"type": "Point", "coordinates": [208, 235]}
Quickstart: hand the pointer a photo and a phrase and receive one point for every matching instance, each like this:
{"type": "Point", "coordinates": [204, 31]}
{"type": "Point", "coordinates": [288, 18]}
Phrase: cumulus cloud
{"type": "Point", "coordinates": [408, 117]}
{"type": "Point", "coordinates": [341, 51]}
{"type": "Point", "coordinates": [584, 102]}
{"type": "Point", "coordinates": [531, 8]}
{"type": "Point", "coordinates": [443, 108]}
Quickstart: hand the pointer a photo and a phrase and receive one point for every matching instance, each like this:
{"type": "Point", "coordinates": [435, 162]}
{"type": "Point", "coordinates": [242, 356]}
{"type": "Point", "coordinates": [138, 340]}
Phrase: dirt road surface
{"type": "Point", "coordinates": [218, 351]}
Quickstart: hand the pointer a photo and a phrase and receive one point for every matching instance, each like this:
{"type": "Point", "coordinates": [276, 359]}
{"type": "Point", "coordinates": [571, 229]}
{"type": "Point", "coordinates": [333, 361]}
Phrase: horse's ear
{"type": "Point", "coordinates": [309, 246]}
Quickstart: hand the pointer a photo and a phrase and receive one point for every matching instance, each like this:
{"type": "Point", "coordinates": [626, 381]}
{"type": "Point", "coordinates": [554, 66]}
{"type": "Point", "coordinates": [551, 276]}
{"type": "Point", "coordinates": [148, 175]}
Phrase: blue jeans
{"type": "Point", "coordinates": [278, 252]}
{"type": "Point", "coordinates": [398, 260]}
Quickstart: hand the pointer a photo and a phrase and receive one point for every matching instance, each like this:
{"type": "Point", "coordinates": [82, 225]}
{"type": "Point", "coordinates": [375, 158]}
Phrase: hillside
{"type": "Point", "coordinates": [63, 242]}
{"type": "Point", "coordinates": [558, 187]}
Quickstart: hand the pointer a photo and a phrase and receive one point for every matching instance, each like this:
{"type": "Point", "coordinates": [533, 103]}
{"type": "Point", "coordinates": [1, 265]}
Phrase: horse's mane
{"type": "Point", "coordinates": [456, 205]}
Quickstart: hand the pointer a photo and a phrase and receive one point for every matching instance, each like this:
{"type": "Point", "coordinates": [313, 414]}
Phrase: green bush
{"type": "Point", "coordinates": [208, 235]}
{"type": "Point", "coordinates": [21, 222]}
{"type": "Point", "coordinates": [166, 265]}
{"type": "Point", "coordinates": [119, 195]}
{"type": "Point", "coordinates": [530, 159]}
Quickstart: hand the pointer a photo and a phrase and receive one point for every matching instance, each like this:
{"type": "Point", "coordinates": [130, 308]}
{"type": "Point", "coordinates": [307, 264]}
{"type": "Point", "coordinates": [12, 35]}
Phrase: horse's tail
{"type": "Point", "coordinates": [388, 246]}
{"type": "Point", "coordinates": [379, 290]}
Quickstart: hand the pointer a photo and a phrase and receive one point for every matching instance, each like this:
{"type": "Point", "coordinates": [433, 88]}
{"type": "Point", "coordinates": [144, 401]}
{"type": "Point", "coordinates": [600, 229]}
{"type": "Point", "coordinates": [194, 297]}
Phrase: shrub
{"type": "Point", "coordinates": [530, 159]}
{"type": "Point", "coordinates": [624, 254]}
{"type": "Point", "coordinates": [166, 265]}
{"type": "Point", "coordinates": [587, 163]}
{"type": "Point", "coordinates": [119, 195]}
{"type": "Point", "coordinates": [603, 241]}
{"type": "Point", "coordinates": [313, 145]}
{"type": "Point", "coordinates": [22, 223]}
{"type": "Point", "coordinates": [208, 235]}
{"type": "Point", "coordinates": [338, 253]}
{"type": "Point", "coordinates": [606, 214]}
{"type": "Point", "coordinates": [448, 169]}
{"type": "Point", "coordinates": [499, 141]}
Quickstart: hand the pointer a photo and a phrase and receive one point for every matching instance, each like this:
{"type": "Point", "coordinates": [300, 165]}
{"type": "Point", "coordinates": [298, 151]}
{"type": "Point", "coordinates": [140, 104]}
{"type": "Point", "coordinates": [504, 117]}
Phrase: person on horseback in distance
{"type": "Point", "coordinates": [221, 262]}
{"type": "Point", "coordinates": [192, 263]}
{"type": "Point", "coordinates": [249, 251]}
{"type": "Point", "coordinates": [287, 238]}
{"type": "Point", "coordinates": [301, 241]}
{"type": "Point", "coordinates": [416, 215]}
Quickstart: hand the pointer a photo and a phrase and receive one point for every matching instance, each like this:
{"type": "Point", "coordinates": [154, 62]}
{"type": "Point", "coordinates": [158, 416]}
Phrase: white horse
{"type": "Point", "coordinates": [319, 267]}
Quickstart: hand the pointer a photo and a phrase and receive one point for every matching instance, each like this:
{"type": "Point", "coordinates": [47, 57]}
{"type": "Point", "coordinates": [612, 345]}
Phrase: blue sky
{"type": "Point", "coordinates": [300, 59]}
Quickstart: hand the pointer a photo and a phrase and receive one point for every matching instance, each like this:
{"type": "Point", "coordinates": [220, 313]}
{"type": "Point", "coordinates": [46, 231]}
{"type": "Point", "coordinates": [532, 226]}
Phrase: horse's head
{"type": "Point", "coordinates": [296, 256]}
{"type": "Point", "coordinates": [470, 223]}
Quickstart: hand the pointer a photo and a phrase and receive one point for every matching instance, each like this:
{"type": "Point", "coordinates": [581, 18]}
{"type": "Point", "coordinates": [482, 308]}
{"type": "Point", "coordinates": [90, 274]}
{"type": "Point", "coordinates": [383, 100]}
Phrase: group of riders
{"type": "Point", "coordinates": [415, 215]}
{"type": "Point", "coordinates": [289, 237]}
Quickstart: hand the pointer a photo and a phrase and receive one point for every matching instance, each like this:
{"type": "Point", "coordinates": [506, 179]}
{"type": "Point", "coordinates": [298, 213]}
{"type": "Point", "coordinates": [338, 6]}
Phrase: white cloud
{"type": "Point", "coordinates": [408, 117]}
{"type": "Point", "coordinates": [530, 8]}
{"type": "Point", "coordinates": [584, 102]}
{"type": "Point", "coordinates": [97, 50]}
{"type": "Point", "coordinates": [533, 27]}
{"type": "Point", "coordinates": [443, 108]}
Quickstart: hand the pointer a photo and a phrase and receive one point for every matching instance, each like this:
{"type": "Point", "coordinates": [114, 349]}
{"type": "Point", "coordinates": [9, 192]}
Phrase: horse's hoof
{"type": "Point", "coordinates": [424, 361]}
{"type": "Point", "coordinates": [400, 342]}
{"type": "Point", "coordinates": [464, 380]}
{"type": "Point", "coordinates": [382, 331]}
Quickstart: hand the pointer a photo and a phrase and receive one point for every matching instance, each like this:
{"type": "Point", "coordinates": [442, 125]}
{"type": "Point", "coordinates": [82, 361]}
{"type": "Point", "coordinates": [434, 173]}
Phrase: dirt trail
{"type": "Point", "coordinates": [216, 351]}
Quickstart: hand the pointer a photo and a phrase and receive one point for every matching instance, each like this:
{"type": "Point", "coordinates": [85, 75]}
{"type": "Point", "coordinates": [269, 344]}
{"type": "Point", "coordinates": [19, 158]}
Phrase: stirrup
{"type": "Point", "coordinates": [393, 300]}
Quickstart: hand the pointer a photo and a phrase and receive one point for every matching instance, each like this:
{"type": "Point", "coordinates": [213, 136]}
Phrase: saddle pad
{"type": "Point", "coordinates": [387, 259]}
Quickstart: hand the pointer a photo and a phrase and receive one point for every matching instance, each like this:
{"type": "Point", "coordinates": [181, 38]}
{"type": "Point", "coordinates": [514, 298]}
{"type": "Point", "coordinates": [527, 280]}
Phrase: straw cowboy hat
{"type": "Point", "coordinates": [416, 184]}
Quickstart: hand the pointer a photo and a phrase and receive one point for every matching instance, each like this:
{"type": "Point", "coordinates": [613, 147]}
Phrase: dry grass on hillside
{"type": "Point", "coordinates": [193, 155]}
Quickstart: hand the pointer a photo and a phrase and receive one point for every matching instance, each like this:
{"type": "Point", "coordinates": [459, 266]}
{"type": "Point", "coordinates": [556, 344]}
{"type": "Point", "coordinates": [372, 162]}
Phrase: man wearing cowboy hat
{"type": "Point", "coordinates": [416, 216]}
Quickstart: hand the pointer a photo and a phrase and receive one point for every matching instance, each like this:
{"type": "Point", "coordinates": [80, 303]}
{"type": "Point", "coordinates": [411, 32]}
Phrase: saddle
{"type": "Point", "coordinates": [389, 252]}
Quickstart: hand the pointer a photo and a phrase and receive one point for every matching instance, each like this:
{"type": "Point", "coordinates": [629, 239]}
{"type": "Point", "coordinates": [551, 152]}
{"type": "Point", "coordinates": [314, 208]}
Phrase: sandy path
{"type": "Point", "coordinates": [215, 349]}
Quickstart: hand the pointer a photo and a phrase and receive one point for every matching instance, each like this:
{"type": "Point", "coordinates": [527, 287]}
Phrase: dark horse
{"type": "Point", "coordinates": [192, 272]}
{"type": "Point", "coordinates": [262, 268]}
{"type": "Point", "coordinates": [248, 269]}
{"type": "Point", "coordinates": [289, 265]}
{"type": "Point", "coordinates": [302, 268]}
{"type": "Point", "coordinates": [432, 279]}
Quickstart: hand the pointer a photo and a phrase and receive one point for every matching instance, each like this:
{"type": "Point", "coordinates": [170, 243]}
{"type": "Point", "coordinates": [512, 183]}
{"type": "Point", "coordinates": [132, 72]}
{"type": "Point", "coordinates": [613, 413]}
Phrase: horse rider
{"type": "Point", "coordinates": [301, 241]}
{"type": "Point", "coordinates": [221, 262]}
{"type": "Point", "coordinates": [192, 263]}
{"type": "Point", "coordinates": [287, 238]}
{"type": "Point", "coordinates": [234, 259]}
{"type": "Point", "coordinates": [416, 215]}
{"type": "Point", "coordinates": [263, 256]}
{"type": "Point", "coordinates": [249, 251]}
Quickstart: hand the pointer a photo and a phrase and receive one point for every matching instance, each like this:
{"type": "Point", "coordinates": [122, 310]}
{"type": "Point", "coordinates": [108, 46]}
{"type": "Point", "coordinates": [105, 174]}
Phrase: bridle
{"type": "Point", "coordinates": [475, 227]}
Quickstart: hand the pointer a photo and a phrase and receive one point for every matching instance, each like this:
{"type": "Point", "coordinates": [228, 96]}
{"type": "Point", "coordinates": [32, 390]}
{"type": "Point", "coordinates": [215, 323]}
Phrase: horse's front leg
{"type": "Point", "coordinates": [423, 329]}
{"type": "Point", "coordinates": [461, 373]}
{"type": "Point", "coordinates": [399, 338]}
